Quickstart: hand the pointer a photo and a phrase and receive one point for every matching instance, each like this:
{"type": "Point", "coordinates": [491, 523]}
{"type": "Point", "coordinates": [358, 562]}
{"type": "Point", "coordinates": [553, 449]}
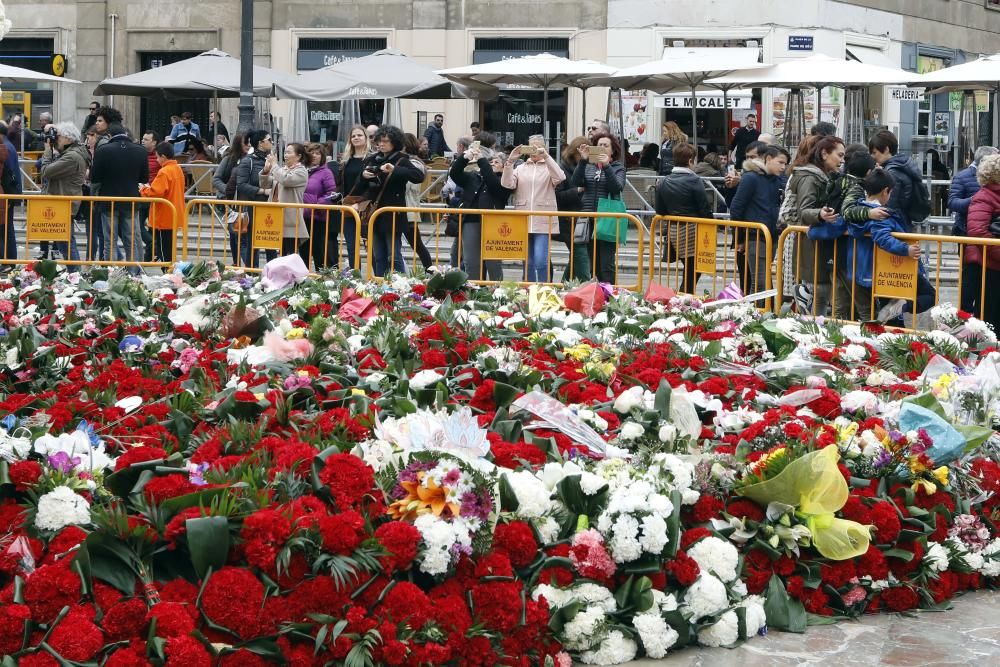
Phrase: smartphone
{"type": "Point", "coordinates": [528, 151]}
{"type": "Point", "coordinates": [474, 146]}
{"type": "Point", "coordinates": [731, 170]}
{"type": "Point", "coordinates": [598, 154]}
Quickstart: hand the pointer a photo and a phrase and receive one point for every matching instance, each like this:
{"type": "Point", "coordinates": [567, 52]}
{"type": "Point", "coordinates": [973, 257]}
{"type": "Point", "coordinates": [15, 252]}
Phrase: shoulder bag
{"type": "Point", "coordinates": [611, 229]}
{"type": "Point", "coordinates": [451, 220]}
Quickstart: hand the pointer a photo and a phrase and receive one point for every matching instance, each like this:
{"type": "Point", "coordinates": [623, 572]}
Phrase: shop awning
{"type": "Point", "coordinates": [870, 56]}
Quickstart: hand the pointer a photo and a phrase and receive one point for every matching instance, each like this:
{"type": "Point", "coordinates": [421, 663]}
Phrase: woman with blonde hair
{"type": "Point", "coordinates": [352, 163]}
{"type": "Point", "coordinates": [672, 136]}
{"type": "Point", "coordinates": [534, 184]}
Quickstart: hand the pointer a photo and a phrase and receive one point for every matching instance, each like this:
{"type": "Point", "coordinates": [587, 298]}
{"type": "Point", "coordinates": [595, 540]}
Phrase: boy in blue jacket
{"type": "Point", "coordinates": [867, 234]}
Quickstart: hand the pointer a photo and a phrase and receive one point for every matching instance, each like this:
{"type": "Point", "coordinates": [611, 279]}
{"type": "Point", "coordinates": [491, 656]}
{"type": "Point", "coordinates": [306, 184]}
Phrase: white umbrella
{"type": "Point", "coordinates": [385, 74]}
{"type": "Point", "coordinates": [817, 72]}
{"type": "Point", "coordinates": [543, 70]}
{"type": "Point", "coordinates": [983, 73]}
{"type": "Point", "coordinates": [210, 74]}
{"type": "Point", "coordinates": [10, 74]}
{"type": "Point", "coordinates": [683, 68]}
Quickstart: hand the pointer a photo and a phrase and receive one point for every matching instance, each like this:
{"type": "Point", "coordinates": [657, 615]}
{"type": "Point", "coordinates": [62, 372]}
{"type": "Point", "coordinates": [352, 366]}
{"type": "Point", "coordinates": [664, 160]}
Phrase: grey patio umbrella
{"type": "Point", "coordinates": [11, 74]}
{"type": "Point", "coordinates": [210, 74]}
{"type": "Point", "coordinates": [385, 74]}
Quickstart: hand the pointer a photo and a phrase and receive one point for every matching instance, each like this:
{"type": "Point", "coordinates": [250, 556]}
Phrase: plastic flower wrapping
{"type": "Point", "coordinates": [206, 468]}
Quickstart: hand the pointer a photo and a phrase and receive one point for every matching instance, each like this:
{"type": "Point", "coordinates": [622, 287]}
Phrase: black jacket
{"type": "Point", "coordinates": [119, 166]}
{"type": "Point", "coordinates": [395, 190]}
{"type": "Point", "coordinates": [682, 193]}
{"type": "Point", "coordinates": [907, 179]}
{"type": "Point", "coordinates": [610, 184]}
{"type": "Point", "coordinates": [248, 177]}
{"type": "Point", "coordinates": [485, 182]}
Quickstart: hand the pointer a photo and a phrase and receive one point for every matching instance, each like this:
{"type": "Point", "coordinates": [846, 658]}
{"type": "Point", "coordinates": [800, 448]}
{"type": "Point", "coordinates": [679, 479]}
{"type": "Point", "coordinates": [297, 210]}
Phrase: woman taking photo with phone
{"type": "Point", "coordinates": [602, 178]}
{"type": "Point", "coordinates": [534, 184]}
{"type": "Point", "coordinates": [289, 181]}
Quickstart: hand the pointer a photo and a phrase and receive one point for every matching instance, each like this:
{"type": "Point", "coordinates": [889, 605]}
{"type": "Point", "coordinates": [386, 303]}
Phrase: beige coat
{"type": "Point", "coordinates": [290, 185]}
{"type": "Point", "coordinates": [534, 185]}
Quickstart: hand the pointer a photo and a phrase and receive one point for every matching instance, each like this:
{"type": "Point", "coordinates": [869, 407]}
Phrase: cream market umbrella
{"type": "Point", "coordinates": [817, 72]}
{"type": "Point", "coordinates": [210, 74]}
{"type": "Point", "coordinates": [684, 69]}
{"type": "Point", "coordinates": [385, 74]}
{"type": "Point", "coordinates": [543, 70]}
{"type": "Point", "coordinates": [983, 73]}
{"type": "Point", "coordinates": [10, 74]}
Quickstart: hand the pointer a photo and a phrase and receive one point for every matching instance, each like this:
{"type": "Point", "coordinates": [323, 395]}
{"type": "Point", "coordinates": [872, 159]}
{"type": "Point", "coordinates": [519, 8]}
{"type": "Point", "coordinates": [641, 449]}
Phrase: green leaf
{"type": "Point", "coordinates": [901, 554]}
{"type": "Point", "coordinates": [504, 394]}
{"type": "Point", "coordinates": [974, 435]}
{"type": "Point", "coordinates": [198, 498]}
{"type": "Point", "coordinates": [783, 613]}
{"type": "Point", "coordinates": [208, 542]}
{"type": "Point", "coordinates": [508, 499]}
{"type": "Point", "coordinates": [661, 402]}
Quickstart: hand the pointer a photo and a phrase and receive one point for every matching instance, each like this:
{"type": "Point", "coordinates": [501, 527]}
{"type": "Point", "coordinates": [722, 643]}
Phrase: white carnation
{"type": "Point", "coordinates": [628, 400]}
{"type": "Point", "coordinates": [657, 637]}
{"type": "Point", "coordinates": [724, 632]}
{"type": "Point", "coordinates": [715, 556]}
{"type": "Point", "coordinates": [654, 534]}
{"type": "Point", "coordinates": [533, 499]}
{"type": "Point", "coordinates": [590, 483]}
{"type": "Point", "coordinates": [579, 632]}
{"type": "Point", "coordinates": [425, 378]}
{"type": "Point", "coordinates": [61, 507]}
{"type": "Point", "coordinates": [706, 597]}
{"type": "Point", "coordinates": [936, 557]}
{"type": "Point", "coordinates": [755, 616]}
{"type": "Point", "coordinates": [614, 650]}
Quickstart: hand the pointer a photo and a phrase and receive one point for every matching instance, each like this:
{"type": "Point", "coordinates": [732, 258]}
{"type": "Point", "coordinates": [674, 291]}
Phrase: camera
{"type": "Point", "coordinates": [51, 136]}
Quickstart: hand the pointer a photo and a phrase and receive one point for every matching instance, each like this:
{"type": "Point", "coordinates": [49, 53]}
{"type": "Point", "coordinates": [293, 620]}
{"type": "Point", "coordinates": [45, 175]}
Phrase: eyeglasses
{"type": "Point", "coordinates": [93, 108]}
{"type": "Point", "coordinates": [591, 128]}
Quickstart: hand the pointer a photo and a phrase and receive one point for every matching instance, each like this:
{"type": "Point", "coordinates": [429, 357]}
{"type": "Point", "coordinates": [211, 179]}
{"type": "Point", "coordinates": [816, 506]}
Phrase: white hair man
{"type": "Point", "coordinates": [63, 170]}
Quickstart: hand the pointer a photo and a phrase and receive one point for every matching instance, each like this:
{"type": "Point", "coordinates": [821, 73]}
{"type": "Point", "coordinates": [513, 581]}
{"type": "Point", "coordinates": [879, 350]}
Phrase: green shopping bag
{"type": "Point", "coordinates": [612, 230]}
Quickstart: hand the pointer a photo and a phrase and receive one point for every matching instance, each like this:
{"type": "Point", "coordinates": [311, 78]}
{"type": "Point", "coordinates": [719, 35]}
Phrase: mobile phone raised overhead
{"type": "Point", "coordinates": [528, 150]}
{"type": "Point", "coordinates": [597, 152]}
{"type": "Point", "coordinates": [474, 146]}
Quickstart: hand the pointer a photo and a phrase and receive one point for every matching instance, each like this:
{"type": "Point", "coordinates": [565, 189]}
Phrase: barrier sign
{"type": "Point", "coordinates": [505, 237]}
{"type": "Point", "coordinates": [705, 249]}
{"type": "Point", "coordinates": [894, 276]}
{"type": "Point", "coordinates": [49, 220]}
{"type": "Point", "coordinates": [268, 226]}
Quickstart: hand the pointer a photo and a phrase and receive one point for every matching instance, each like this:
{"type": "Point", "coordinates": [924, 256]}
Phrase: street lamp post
{"type": "Point", "coordinates": [246, 68]}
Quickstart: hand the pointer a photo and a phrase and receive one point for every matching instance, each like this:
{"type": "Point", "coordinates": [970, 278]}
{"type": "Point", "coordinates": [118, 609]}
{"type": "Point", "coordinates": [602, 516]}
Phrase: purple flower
{"type": "Point", "coordinates": [475, 505]}
{"type": "Point", "coordinates": [883, 459]}
{"type": "Point", "coordinates": [62, 462]}
{"type": "Point", "coordinates": [293, 382]}
{"type": "Point", "coordinates": [452, 478]}
{"type": "Point", "coordinates": [196, 473]}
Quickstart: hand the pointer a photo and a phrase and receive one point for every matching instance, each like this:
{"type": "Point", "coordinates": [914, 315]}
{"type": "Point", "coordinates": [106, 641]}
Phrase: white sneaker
{"type": "Point", "coordinates": [891, 310]}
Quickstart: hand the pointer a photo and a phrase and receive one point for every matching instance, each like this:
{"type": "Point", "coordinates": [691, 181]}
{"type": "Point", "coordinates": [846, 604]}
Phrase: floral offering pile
{"type": "Point", "coordinates": [206, 468]}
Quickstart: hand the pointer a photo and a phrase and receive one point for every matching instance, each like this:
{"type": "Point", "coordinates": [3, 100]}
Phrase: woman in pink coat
{"type": "Point", "coordinates": [985, 207]}
{"type": "Point", "coordinates": [534, 184]}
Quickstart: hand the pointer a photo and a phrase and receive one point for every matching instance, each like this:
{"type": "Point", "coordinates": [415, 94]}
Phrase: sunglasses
{"type": "Point", "coordinates": [93, 108]}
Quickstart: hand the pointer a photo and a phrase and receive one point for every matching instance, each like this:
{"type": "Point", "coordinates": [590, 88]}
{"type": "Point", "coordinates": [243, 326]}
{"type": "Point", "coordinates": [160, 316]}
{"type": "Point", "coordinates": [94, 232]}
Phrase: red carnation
{"type": "Point", "coordinates": [24, 474]}
{"type": "Point", "coordinates": [706, 508]}
{"type": "Point", "coordinates": [515, 455]}
{"type": "Point", "coordinates": [684, 569]}
{"type": "Point", "coordinates": [692, 535]}
{"type": "Point", "coordinates": [405, 602]}
{"type": "Point", "coordinates": [872, 564]}
{"type": "Point", "coordinates": [133, 655]}
{"type": "Point", "coordinates": [498, 604]}
{"type": "Point", "coordinates": [400, 539]}
{"type": "Point", "coordinates": [125, 619]}
{"type": "Point", "coordinates": [837, 573]}
{"type": "Point", "coordinates": [265, 533]}
{"type": "Point", "coordinates": [65, 541]}
{"type": "Point", "coordinates": [49, 589]}
{"type": "Point", "coordinates": [40, 659]}
{"type": "Point", "coordinates": [900, 598]}
{"type": "Point", "coordinates": [187, 652]}
{"type": "Point", "coordinates": [886, 521]}
{"type": "Point", "coordinates": [76, 637]}
{"type": "Point", "coordinates": [138, 455]}
{"type": "Point", "coordinates": [173, 619]}
{"type": "Point", "coordinates": [13, 618]}
{"type": "Point", "coordinates": [165, 487]}
{"type": "Point", "coordinates": [231, 599]}
{"type": "Point", "coordinates": [342, 533]}
{"type": "Point", "coordinates": [517, 540]}
{"type": "Point", "coordinates": [348, 477]}
{"type": "Point", "coordinates": [745, 509]}
{"type": "Point", "coordinates": [855, 510]}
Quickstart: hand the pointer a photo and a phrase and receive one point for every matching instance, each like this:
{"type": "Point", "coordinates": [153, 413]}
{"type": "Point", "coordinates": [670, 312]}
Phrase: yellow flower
{"type": "Point", "coordinates": [916, 467]}
{"type": "Point", "coordinates": [579, 352]}
{"type": "Point", "coordinates": [928, 486]}
{"type": "Point", "coordinates": [597, 370]}
{"type": "Point", "coordinates": [846, 433]}
{"type": "Point", "coordinates": [941, 475]}
{"type": "Point", "coordinates": [297, 332]}
{"type": "Point", "coordinates": [358, 392]}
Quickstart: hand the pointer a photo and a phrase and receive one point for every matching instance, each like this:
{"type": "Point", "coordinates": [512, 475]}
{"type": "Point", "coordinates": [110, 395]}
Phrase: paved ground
{"type": "Point", "coordinates": [968, 634]}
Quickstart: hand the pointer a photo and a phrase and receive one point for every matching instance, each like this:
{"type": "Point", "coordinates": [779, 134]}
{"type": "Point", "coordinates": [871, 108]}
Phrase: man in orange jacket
{"type": "Point", "coordinates": [168, 184]}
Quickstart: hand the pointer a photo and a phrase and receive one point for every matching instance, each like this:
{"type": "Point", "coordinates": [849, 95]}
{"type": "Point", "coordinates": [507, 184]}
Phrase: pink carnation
{"type": "Point", "coordinates": [589, 556]}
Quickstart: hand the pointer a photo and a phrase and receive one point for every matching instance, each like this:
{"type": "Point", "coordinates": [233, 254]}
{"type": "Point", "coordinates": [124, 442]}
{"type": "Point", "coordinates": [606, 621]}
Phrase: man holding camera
{"type": "Point", "coordinates": [64, 166]}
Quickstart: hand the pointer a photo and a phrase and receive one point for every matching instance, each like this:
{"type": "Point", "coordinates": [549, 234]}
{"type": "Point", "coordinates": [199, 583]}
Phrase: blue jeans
{"type": "Point", "coordinates": [538, 259]}
{"type": "Point", "coordinates": [124, 230]}
{"type": "Point", "coordinates": [387, 238]}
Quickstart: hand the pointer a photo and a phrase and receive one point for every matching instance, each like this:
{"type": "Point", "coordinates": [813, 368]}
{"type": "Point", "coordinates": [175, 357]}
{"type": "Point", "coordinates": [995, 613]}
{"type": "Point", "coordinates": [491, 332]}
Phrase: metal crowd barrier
{"type": "Point", "coordinates": [78, 236]}
{"type": "Point", "coordinates": [938, 275]}
{"type": "Point", "coordinates": [683, 250]}
{"type": "Point", "coordinates": [498, 247]}
{"type": "Point", "coordinates": [236, 232]}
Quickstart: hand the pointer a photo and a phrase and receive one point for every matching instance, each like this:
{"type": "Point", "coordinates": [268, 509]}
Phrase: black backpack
{"type": "Point", "coordinates": [919, 206]}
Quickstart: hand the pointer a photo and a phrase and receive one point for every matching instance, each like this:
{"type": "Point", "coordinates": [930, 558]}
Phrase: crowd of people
{"type": "Point", "coordinates": [850, 197]}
